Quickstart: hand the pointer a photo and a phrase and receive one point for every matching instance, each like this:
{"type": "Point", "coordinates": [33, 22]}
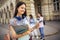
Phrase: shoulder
{"type": "Point", "coordinates": [41, 17]}
{"type": "Point", "coordinates": [26, 18]}
{"type": "Point", "coordinates": [12, 20]}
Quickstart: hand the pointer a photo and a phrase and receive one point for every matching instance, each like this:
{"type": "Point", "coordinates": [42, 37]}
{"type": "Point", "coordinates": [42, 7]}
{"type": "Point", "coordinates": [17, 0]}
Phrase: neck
{"type": "Point", "coordinates": [18, 14]}
{"type": "Point", "coordinates": [38, 16]}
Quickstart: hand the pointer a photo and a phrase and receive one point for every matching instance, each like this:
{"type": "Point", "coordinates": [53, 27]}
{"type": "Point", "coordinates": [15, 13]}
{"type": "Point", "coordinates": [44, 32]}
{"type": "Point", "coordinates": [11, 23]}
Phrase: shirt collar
{"type": "Point", "coordinates": [18, 18]}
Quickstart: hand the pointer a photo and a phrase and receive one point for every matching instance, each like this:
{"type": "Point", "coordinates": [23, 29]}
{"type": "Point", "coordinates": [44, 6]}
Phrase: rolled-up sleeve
{"type": "Point", "coordinates": [11, 21]}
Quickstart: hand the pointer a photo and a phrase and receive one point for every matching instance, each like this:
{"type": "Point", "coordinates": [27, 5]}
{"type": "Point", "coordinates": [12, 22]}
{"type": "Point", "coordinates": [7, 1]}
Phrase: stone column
{"type": "Point", "coordinates": [7, 17]}
{"type": "Point", "coordinates": [47, 9]}
{"type": "Point", "coordinates": [30, 7]}
{"type": "Point", "coordinates": [4, 18]}
{"type": "Point", "coordinates": [0, 17]}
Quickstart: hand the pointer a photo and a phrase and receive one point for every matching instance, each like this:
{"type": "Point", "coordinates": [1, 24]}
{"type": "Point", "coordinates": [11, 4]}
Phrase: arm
{"type": "Point", "coordinates": [41, 20]}
{"type": "Point", "coordinates": [13, 32]}
{"type": "Point", "coordinates": [25, 33]}
{"type": "Point", "coordinates": [29, 31]}
{"type": "Point", "coordinates": [35, 27]}
{"type": "Point", "coordinates": [14, 35]}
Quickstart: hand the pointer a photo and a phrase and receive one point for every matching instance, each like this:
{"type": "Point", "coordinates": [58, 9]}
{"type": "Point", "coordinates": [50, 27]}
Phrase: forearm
{"type": "Point", "coordinates": [27, 32]}
{"type": "Point", "coordinates": [21, 35]}
{"type": "Point", "coordinates": [13, 33]}
{"type": "Point", "coordinates": [35, 27]}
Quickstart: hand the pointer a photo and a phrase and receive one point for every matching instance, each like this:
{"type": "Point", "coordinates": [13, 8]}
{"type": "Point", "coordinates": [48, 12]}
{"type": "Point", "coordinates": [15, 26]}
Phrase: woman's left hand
{"type": "Point", "coordinates": [37, 25]}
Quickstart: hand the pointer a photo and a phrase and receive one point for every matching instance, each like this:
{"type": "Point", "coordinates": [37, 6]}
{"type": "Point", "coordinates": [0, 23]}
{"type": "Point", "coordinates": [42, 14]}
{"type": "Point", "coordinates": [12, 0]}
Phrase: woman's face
{"type": "Point", "coordinates": [38, 15]}
{"type": "Point", "coordinates": [21, 9]}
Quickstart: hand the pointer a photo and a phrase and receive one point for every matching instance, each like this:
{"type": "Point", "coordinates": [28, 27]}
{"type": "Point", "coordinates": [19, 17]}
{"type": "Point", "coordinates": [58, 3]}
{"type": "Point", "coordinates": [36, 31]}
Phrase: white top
{"type": "Point", "coordinates": [21, 22]}
{"type": "Point", "coordinates": [40, 21]}
{"type": "Point", "coordinates": [25, 21]}
{"type": "Point", "coordinates": [32, 22]}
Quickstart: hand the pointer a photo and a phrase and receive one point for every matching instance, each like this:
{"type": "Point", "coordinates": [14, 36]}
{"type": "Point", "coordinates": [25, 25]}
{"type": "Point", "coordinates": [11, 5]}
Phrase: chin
{"type": "Point", "coordinates": [22, 13]}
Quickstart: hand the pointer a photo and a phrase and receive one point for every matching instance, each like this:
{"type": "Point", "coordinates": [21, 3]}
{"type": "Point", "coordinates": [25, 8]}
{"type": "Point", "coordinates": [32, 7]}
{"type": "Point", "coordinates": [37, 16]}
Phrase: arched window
{"type": "Point", "coordinates": [6, 15]}
{"type": "Point", "coordinates": [1, 13]}
{"type": "Point", "coordinates": [17, 1]}
{"type": "Point", "coordinates": [9, 14]}
{"type": "Point", "coordinates": [11, 6]}
{"type": "Point", "coordinates": [7, 8]}
{"type": "Point", "coordinates": [4, 10]}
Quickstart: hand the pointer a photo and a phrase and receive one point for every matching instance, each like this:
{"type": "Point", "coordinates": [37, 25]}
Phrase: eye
{"type": "Point", "coordinates": [22, 8]}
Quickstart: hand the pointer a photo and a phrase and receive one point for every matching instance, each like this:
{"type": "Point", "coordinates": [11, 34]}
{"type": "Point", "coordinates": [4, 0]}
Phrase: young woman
{"type": "Point", "coordinates": [32, 22]}
{"type": "Point", "coordinates": [41, 27]}
{"type": "Point", "coordinates": [20, 14]}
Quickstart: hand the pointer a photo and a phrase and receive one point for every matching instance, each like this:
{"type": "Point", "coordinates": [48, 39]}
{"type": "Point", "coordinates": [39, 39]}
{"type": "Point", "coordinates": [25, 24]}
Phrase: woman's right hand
{"type": "Point", "coordinates": [6, 37]}
{"type": "Point", "coordinates": [28, 32]}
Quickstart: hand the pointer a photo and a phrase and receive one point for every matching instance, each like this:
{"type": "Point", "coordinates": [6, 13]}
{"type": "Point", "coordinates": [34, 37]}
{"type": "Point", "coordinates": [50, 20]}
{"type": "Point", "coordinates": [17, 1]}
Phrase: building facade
{"type": "Point", "coordinates": [49, 8]}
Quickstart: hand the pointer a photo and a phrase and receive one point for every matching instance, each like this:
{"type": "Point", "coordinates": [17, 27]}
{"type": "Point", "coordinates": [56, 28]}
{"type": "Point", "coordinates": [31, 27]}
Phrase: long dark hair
{"type": "Point", "coordinates": [30, 16]}
{"type": "Point", "coordinates": [40, 14]}
{"type": "Point", "coordinates": [16, 11]}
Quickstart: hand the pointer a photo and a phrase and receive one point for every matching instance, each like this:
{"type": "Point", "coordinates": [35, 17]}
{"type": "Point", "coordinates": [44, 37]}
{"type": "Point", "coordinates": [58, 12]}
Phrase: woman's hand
{"type": "Point", "coordinates": [28, 32]}
{"type": "Point", "coordinates": [37, 25]}
{"type": "Point", "coordinates": [25, 33]}
{"type": "Point", "coordinates": [7, 37]}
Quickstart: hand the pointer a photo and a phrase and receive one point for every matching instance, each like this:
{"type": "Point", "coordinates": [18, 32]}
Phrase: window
{"type": "Point", "coordinates": [7, 8]}
{"type": "Point", "coordinates": [56, 5]}
{"type": "Point", "coordinates": [39, 8]}
{"type": "Point", "coordinates": [17, 1]}
{"type": "Point", "coordinates": [0, 14]}
{"type": "Point", "coordinates": [11, 6]}
{"type": "Point", "coordinates": [9, 14]}
{"type": "Point", "coordinates": [6, 15]}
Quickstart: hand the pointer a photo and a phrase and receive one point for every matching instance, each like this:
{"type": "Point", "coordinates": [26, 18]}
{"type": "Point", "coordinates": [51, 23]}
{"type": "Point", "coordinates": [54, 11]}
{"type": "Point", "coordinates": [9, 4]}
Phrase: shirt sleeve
{"type": "Point", "coordinates": [26, 21]}
{"type": "Point", "coordinates": [11, 22]}
{"type": "Point", "coordinates": [36, 21]}
{"type": "Point", "coordinates": [41, 19]}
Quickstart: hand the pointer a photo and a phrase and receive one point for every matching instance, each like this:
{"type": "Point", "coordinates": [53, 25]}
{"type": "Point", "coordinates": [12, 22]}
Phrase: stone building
{"type": "Point", "coordinates": [49, 8]}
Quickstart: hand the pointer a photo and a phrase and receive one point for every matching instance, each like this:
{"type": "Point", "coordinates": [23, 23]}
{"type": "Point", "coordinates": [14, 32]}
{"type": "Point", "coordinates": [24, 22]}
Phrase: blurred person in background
{"type": "Point", "coordinates": [20, 14]}
{"type": "Point", "coordinates": [41, 27]}
{"type": "Point", "coordinates": [32, 23]}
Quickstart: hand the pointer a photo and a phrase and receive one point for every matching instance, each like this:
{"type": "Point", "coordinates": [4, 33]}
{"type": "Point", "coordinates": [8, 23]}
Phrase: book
{"type": "Point", "coordinates": [19, 29]}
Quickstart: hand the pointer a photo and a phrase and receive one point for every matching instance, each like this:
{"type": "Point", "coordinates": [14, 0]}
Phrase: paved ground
{"type": "Point", "coordinates": [51, 31]}
{"type": "Point", "coordinates": [55, 36]}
